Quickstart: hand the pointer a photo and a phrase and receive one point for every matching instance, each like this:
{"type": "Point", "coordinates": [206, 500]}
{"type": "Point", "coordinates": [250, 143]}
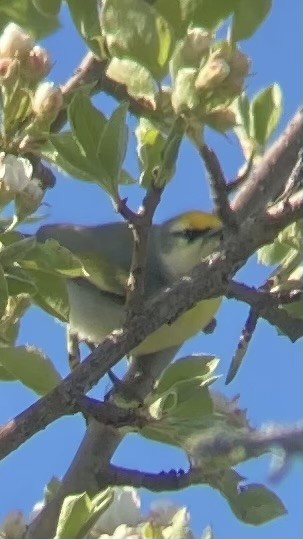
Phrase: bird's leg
{"type": "Point", "coordinates": [72, 348]}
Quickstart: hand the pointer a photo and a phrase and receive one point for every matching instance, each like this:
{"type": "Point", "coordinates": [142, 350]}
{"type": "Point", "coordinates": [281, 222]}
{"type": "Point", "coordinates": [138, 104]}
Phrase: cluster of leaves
{"type": "Point", "coordinates": [287, 253]}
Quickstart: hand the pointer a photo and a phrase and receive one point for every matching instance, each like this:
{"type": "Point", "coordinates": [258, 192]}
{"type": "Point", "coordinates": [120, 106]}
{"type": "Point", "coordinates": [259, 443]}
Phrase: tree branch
{"type": "Point", "coordinates": [265, 304]}
{"type": "Point", "coordinates": [218, 186]}
{"type": "Point", "coordinates": [255, 443]}
{"type": "Point", "coordinates": [209, 279]}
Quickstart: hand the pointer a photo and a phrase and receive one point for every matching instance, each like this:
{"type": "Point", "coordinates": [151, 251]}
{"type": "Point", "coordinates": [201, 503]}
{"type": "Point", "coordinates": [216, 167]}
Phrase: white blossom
{"type": "Point", "coordinates": [125, 509]}
{"type": "Point", "coordinates": [162, 512]}
{"type": "Point", "coordinates": [14, 41]}
{"type": "Point", "coordinates": [15, 172]}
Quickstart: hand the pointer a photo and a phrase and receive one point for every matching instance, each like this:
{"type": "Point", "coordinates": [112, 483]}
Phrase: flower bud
{"type": "Point", "coordinates": [221, 119]}
{"type": "Point", "coordinates": [15, 172]}
{"type": "Point", "coordinates": [14, 41]}
{"type": "Point", "coordinates": [13, 525]}
{"type": "Point", "coordinates": [239, 64]}
{"type": "Point", "coordinates": [8, 68]}
{"type": "Point", "coordinates": [196, 43]}
{"type": "Point", "coordinates": [29, 200]}
{"type": "Point", "coordinates": [37, 64]}
{"type": "Point", "coordinates": [47, 99]}
{"type": "Point", "coordinates": [212, 74]}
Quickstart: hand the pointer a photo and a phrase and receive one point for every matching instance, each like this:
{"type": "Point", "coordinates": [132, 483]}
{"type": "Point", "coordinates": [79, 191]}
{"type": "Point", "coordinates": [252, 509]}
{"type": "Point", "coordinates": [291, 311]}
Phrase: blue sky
{"type": "Point", "coordinates": [269, 381]}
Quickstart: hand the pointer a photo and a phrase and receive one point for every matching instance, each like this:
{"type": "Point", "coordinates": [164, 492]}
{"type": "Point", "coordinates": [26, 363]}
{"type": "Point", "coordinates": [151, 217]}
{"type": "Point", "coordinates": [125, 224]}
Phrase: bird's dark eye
{"type": "Point", "coordinates": [192, 234]}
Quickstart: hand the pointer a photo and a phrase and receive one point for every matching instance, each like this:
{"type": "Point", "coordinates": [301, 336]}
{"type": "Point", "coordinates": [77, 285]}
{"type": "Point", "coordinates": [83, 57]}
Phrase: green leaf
{"type": "Point", "coordinates": [24, 13]}
{"type": "Point", "coordinates": [100, 503]}
{"type": "Point", "coordinates": [266, 109]}
{"type": "Point", "coordinates": [248, 16]}
{"type": "Point", "coordinates": [206, 13]}
{"type": "Point", "coordinates": [51, 257]}
{"type": "Point", "coordinates": [79, 513]}
{"type": "Point", "coordinates": [171, 11]}
{"type": "Point", "coordinates": [134, 29]}
{"type": "Point", "coordinates": [137, 79]}
{"type": "Point", "coordinates": [75, 511]}
{"type": "Point", "coordinates": [49, 8]}
{"type": "Point", "coordinates": [19, 282]}
{"type": "Point", "coordinates": [255, 504]}
{"type": "Point", "coordinates": [87, 124]}
{"type": "Point", "coordinates": [150, 144]}
{"type": "Point", "coordinates": [63, 151]}
{"type": "Point", "coordinates": [86, 19]}
{"type": "Point", "coordinates": [29, 365]}
{"type": "Point", "coordinates": [3, 292]}
{"type": "Point", "coordinates": [199, 367]}
{"type": "Point", "coordinates": [5, 376]}
{"type": "Point", "coordinates": [112, 155]}
{"type": "Point", "coordinates": [9, 325]}
{"type": "Point", "coordinates": [170, 152]}
{"type": "Point", "coordinates": [16, 251]}
{"type": "Point", "coordinates": [51, 294]}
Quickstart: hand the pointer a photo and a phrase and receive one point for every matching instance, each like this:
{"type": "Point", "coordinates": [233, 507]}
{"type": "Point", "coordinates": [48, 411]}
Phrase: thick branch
{"type": "Point", "coordinates": [209, 279]}
{"type": "Point", "coordinates": [269, 176]}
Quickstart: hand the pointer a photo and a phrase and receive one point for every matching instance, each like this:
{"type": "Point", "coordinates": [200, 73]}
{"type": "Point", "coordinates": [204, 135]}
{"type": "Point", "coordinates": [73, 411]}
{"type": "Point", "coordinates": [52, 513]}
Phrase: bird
{"type": "Point", "coordinates": [97, 301]}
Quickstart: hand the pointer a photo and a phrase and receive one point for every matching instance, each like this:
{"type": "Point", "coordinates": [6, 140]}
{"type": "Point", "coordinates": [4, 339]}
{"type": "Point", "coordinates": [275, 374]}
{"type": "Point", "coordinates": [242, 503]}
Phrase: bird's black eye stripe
{"type": "Point", "coordinates": [191, 234]}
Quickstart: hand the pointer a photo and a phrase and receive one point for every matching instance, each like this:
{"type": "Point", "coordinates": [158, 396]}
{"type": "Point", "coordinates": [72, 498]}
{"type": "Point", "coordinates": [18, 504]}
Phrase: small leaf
{"type": "Point", "coordinates": [198, 367]}
{"type": "Point", "coordinates": [51, 294]}
{"type": "Point", "coordinates": [48, 8]}
{"type": "Point", "coordinates": [135, 30]}
{"type": "Point", "coordinates": [112, 155]}
{"type": "Point", "coordinates": [63, 151]}
{"type": "Point", "coordinates": [25, 13]}
{"type": "Point", "coordinates": [3, 292]}
{"type": "Point", "coordinates": [206, 13]}
{"type": "Point", "coordinates": [75, 511]}
{"type": "Point", "coordinates": [19, 282]}
{"type": "Point", "coordinates": [16, 251]}
{"type": "Point", "coordinates": [248, 16]}
{"type": "Point", "coordinates": [86, 19]}
{"type": "Point", "coordinates": [150, 144]}
{"type": "Point", "coordinates": [169, 154]}
{"type": "Point", "coordinates": [266, 110]}
{"type": "Point", "coordinates": [51, 257]}
{"type": "Point", "coordinates": [5, 376]}
{"type": "Point", "coordinates": [87, 124]}
{"type": "Point", "coordinates": [137, 79]}
{"type": "Point", "coordinates": [9, 324]}
{"type": "Point", "coordinates": [30, 366]}
{"type": "Point", "coordinates": [100, 503]}
{"type": "Point", "coordinates": [255, 504]}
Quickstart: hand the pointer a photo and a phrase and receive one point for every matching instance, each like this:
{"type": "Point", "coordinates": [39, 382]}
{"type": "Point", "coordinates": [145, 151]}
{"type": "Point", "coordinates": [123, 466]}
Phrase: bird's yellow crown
{"type": "Point", "coordinates": [198, 220]}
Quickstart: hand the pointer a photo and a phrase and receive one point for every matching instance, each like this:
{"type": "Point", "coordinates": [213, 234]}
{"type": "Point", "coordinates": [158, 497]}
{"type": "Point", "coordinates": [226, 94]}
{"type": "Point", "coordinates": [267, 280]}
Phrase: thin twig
{"type": "Point", "coordinates": [255, 443]}
{"type": "Point", "coordinates": [218, 186]}
{"type": "Point", "coordinates": [140, 224]}
{"type": "Point", "coordinates": [264, 304]}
